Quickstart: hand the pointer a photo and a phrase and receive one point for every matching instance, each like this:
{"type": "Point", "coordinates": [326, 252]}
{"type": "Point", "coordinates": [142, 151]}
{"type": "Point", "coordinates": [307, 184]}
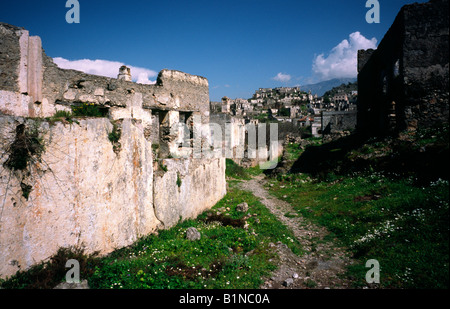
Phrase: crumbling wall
{"type": "Point", "coordinates": [185, 188]}
{"type": "Point", "coordinates": [173, 90]}
{"type": "Point", "coordinates": [66, 182]}
{"type": "Point", "coordinates": [9, 57]}
{"type": "Point", "coordinates": [25, 69]}
{"type": "Point", "coordinates": [79, 191]}
{"type": "Point", "coordinates": [404, 84]}
{"type": "Point", "coordinates": [21, 71]}
{"type": "Point", "coordinates": [239, 139]}
{"type": "Point", "coordinates": [337, 122]}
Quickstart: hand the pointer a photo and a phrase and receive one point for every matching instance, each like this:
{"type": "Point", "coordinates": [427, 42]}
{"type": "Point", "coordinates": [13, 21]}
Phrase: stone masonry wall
{"type": "Point", "coordinates": [80, 192]}
{"type": "Point", "coordinates": [65, 183]}
{"type": "Point", "coordinates": [404, 84]}
{"type": "Point", "coordinates": [337, 122]}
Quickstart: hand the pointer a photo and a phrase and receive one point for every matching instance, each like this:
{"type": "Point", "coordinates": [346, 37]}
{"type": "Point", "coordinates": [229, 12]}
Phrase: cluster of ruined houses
{"type": "Point", "coordinates": [290, 104]}
{"type": "Point", "coordinates": [82, 189]}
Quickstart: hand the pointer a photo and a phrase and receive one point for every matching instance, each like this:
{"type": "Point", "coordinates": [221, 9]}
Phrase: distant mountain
{"type": "Point", "coordinates": [322, 87]}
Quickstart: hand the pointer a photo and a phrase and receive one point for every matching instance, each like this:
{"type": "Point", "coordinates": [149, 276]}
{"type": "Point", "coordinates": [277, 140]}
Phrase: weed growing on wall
{"type": "Point", "coordinates": [62, 115]}
{"type": "Point", "coordinates": [26, 148]}
{"type": "Point", "coordinates": [88, 110]}
{"type": "Point", "coordinates": [178, 180]}
{"type": "Point", "coordinates": [114, 136]}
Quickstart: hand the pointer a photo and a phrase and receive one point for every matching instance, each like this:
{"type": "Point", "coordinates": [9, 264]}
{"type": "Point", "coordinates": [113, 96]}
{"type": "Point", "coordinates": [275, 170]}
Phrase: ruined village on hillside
{"type": "Point", "coordinates": [317, 115]}
{"type": "Point", "coordinates": [102, 163]}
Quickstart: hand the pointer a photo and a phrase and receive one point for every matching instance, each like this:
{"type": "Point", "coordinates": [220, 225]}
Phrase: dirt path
{"type": "Point", "coordinates": [323, 261]}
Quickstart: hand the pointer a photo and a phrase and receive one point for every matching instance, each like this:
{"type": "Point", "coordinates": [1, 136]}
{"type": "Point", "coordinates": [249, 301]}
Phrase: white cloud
{"type": "Point", "coordinates": [342, 60]}
{"type": "Point", "coordinates": [282, 77]}
{"type": "Point", "coordinates": [106, 68]}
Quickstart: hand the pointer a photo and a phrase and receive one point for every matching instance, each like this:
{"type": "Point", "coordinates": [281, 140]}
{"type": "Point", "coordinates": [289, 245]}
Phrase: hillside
{"type": "Point", "coordinates": [345, 88]}
{"type": "Point", "coordinates": [322, 87]}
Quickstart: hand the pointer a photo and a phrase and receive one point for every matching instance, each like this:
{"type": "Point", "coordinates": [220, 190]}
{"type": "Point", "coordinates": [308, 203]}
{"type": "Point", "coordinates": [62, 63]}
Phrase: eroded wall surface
{"type": "Point", "coordinates": [404, 84]}
{"type": "Point", "coordinates": [80, 192]}
{"type": "Point", "coordinates": [65, 182]}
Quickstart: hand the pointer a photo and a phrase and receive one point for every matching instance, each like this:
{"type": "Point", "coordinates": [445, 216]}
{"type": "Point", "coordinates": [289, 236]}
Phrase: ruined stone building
{"type": "Point", "coordinates": [142, 163]}
{"type": "Point", "coordinates": [404, 83]}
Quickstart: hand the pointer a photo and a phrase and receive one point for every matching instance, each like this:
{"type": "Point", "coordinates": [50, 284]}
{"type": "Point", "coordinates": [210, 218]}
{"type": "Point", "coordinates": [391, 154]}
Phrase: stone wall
{"type": "Point", "coordinates": [404, 84]}
{"type": "Point", "coordinates": [63, 182]}
{"type": "Point", "coordinates": [186, 188]}
{"type": "Point", "coordinates": [80, 192]}
{"type": "Point", "coordinates": [25, 69]}
{"type": "Point", "coordinates": [9, 57]}
{"type": "Point", "coordinates": [337, 122]}
{"type": "Point", "coordinates": [239, 139]}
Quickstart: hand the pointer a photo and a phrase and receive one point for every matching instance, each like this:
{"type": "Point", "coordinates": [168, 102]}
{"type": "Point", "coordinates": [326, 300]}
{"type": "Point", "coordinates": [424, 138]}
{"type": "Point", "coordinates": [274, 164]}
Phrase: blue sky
{"type": "Point", "coordinates": [239, 46]}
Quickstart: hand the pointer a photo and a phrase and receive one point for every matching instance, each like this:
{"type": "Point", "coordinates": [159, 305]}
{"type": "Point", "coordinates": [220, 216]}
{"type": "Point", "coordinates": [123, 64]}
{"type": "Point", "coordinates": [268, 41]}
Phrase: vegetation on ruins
{"type": "Point", "coordinates": [378, 203]}
{"type": "Point", "coordinates": [26, 148]}
{"type": "Point", "coordinates": [88, 110]}
{"type": "Point", "coordinates": [179, 182]}
{"type": "Point", "coordinates": [228, 255]}
{"type": "Point", "coordinates": [395, 218]}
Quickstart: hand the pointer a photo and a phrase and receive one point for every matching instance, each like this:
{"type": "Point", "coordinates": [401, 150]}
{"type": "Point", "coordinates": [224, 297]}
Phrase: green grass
{"type": "Point", "coordinates": [403, 226]}
{"type": "Point", "coordinates": [88, 110]}
{"type": "Point", "coordinates": [224, 257]}
{"type": "Point", "coordinates": [62, 114]}
{"type": "Point", "coordinates": [293, 151]}
{"type": "Point", "coordinates": [48, 274]}
{"type": "Point", "coordinates": [236, 171]}
{"type": "Point", "coordinates": [400, 220]}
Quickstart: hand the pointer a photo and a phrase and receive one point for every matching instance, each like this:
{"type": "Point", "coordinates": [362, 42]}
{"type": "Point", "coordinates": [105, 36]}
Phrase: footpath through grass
{"type": "Point", "coordinates": [228, 255]}
{"type": "Point", "coordinates": [399, 221]}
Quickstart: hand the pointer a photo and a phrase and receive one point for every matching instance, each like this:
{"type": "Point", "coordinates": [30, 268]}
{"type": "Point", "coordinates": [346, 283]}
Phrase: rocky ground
{"type": "Point", "coordinates": [323, 262]}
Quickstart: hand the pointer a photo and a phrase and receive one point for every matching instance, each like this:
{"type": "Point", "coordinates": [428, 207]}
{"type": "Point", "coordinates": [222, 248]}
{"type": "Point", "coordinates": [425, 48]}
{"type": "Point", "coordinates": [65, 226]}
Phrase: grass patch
{"type": "Point", "coordinates": [226, 256]}
{"type": "Point", "coordinates": [89, 110]}
{"type": "Point", "coordinates": [63, 116]}
{"type": "Point", "coordinates": [233, 170]}
{"type": "Point", "coordinates": [292, 151]}
{"type": "Point", "coordinates": [49, 274]}
{"type": "Point", "coordinates": [402, 225]}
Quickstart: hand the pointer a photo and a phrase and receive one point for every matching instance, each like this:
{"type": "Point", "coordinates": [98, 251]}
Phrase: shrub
{"type": "Point", "coordinates": [47, 275]}
{"type": "Point", "coordinates": [62, 114]}
{"type": "Point", "coordinates": [115, 134]}
{"type": "Point", "coordinates": [88, 110]}
{"type": "Point", "coordinates": [27, 147]}
{"type": "Point", "coordinates": [178, 180]}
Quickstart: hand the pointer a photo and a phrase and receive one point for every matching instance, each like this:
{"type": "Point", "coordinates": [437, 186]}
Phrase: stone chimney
{"type": "Point", "coordinates": [124, 73]}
